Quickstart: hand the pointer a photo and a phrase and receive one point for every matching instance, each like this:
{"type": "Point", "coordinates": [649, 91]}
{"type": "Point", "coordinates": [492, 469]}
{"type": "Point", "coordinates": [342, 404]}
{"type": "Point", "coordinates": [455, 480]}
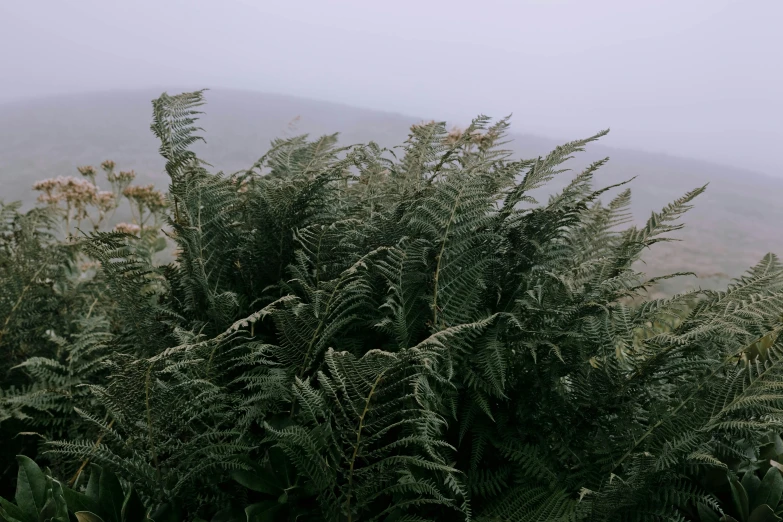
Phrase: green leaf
{"type": "Point", "coordinates": [61, 506]}
{"type": "Point", "coordinates": [168, 512]}
{"type": "Point", "coordinates": [778, 441]}
{"type": "Point", "coordinates": [93, 484]}
{"type": "Point", "coordinates": [87, 516]}
{"type": "Point", "coordinates": [771, 489]}
{"type": "Point", "coordinates": [111, 496]}
{"type": "Point", "coordinates": [740, 498]}
{"type": "Point", "coordinates": [231, 514]}
{"type": "Point", "coordinates": [257, 480]}
{"type": "Point", "coordinates": [77, 501]}
{"type": "Point", "coordinates": [30, 488]}
{"type": "Point", "coordinates": [48, 512]}
{"type": "Point", "coordinates": [265, 511]}
{"type": "Point", "coordinates": [132, 508]}
{"type": "Point", "coordinates": [768, 451]}
{"type": "Point", "coordinates": [159, 244]}
{"type": "Point", "coordinates": [763, 513]}
{"type": "Point", "coordinates": [10, 512]}
{"type": "Point", "coordinates": [751, 484]}
{"type": "Point", "coordinates": [706, 514]}
{"type": "Point", "coordinates": [282, 467]}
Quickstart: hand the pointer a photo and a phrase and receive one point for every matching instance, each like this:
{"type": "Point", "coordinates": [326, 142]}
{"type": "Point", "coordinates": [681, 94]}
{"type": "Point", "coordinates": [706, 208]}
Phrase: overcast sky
{"type": "Point", "coordinates": [699, 78]}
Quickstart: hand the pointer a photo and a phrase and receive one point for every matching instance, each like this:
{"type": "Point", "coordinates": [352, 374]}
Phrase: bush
{"type": "Point", "coordinates": [357, 334]}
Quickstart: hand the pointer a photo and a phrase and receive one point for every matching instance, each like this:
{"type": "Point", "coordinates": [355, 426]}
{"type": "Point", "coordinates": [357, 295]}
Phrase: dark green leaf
{"type": "Point", "coordinates": [771, 488]}
{"type": "Point", "coordinates": [232, 514]}
{"type": "Point", "coordinates": [48, 512]}
{"type": "Point", "coordinates": [740, 498]}
{"type": "Point", "coordinates": [132, 508]}
{"type": "Point", "coordinates": [11, 512]}
{"type": "Point", "coordinates": [763, 513]}
{"type": "Point", "coordinates": [61, 507]}
{"type": "Point", "coordinates": [111, 496]}
{"type": "Point", "coordinates": [257, 481]}
{"type": "Point", "coordinates": [266, 511]}
{"type": "Point", "coordinates": [283, 469]}
{"type": "Point", "coordinates": [86, 516]}
{"type": "Point", "coordinates": [30, 488]}
{"type": "Point", "coordinates": [751, 484]}
{"type": "Point", "coordinates": [77, 501]}
{"type": "Point", "coordinates": [168, 512]}
{"type": "Point", "coordinates": [706, 514]}
{"type": "Point", "coordinates": [94, 483]}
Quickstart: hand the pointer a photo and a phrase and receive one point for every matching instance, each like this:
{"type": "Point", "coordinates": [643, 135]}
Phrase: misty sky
{"type": "Point", "coordinates": [699, 78]}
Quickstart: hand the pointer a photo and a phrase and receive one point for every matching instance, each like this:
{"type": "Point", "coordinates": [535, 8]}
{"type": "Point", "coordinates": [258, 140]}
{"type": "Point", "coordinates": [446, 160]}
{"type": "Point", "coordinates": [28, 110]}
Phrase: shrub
{"type": "Point", "coordinates": [353, 334]}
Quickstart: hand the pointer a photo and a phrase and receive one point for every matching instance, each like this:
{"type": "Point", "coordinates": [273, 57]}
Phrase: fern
{"type": "Point", "coordinates": [381, 335]}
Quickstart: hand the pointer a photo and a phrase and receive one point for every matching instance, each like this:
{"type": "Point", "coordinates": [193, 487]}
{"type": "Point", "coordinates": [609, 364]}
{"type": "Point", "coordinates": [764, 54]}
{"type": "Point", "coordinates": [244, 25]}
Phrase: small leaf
{"type": "Point", "coordinates": [706, 514]}
{"type": "Point", "coordinates": [768, 451]}
{"type": "Point", "coordinates": [265, 511]}
{"type": "Point", "coordinates": [778, 443]}
{"type": "Point", "coordinates": [229, 515]}
{"type": "Point", "coordinates": [159, 244]}
{"type": "Point", "coordinates": [79, 501]}
{"type": "Point", "coordinates": [256, 481]}
{"type": "Point", "coordinates": [87, 516]}
{"type": "Point", "coordinates": [61, 506]}
{"type": "Point", "coordinates": [48, 512]}
{"type": "Point", "coordinates": [168, 512]}
{"type": "Point", "coordinates": [93, 484]}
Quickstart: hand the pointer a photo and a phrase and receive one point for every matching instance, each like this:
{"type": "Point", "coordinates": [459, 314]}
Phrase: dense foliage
{"type": "Point", "coordinates": [354, 334]}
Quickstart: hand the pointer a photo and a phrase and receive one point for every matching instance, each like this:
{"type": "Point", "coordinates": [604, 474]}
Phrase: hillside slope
{"type": "Point", "coordinates": [731, 227]}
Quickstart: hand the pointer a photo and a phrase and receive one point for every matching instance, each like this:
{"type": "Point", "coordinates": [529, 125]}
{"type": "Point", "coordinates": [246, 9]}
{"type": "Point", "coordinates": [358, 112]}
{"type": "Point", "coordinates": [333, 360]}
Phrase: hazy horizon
{"type": "Point", "coordinates": [515, 131]}
{"type": "Point", "coordinates": [696, 79]}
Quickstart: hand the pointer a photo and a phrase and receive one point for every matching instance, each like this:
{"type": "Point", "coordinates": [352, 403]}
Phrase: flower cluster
{"type": "Point", "coordinates": [422, 125]}
{"type": "Point", "coordinates": [118, 180]}
{"type": "Point", "coordinates": [123, 178]}
{"type": "Point", "coordinates": [88, 172]}
{"type": "Point", "coordinates": [145, 197]}
{"type": "Point", "coordinates": [74, 196]}
{"type": "Point", "coordinates": [74, 192]}
{"type": "Point", "coordinates": [105, 201]}
{"type": "Point", "coordinates": [127, 228]}
{"type": "Point", "coordinates": [482, 140]}
{"type": "Point", "coordinates": [242, 186]}
{"type": "Point", "coordinates": [454, 136]}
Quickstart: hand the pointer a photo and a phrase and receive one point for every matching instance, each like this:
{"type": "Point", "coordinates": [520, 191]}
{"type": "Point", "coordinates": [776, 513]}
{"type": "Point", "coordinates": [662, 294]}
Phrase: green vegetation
{"type": "Point", "coordinates": [733, 225]}
{"type": "Point", "coordinates": [351, 334]}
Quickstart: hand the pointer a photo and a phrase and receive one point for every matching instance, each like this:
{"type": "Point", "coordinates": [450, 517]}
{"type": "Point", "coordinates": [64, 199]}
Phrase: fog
{"type": "Point", "coordinates": [695, 78]}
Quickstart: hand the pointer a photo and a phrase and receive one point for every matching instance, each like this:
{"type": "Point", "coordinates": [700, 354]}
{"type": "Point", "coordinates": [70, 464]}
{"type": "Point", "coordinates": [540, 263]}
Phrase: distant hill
{"type": "Point", "coordinates": [731, 227]}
